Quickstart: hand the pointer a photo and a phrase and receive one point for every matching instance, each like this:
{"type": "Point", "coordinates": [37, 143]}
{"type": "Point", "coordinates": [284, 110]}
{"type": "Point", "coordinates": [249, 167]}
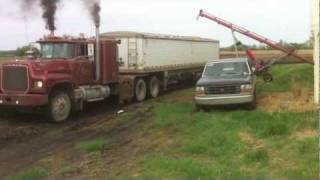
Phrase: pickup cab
{"type": "Point", "coordinates": [226, 82]}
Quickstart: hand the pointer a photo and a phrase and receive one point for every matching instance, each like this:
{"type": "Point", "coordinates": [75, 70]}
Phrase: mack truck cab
{"type": "Point", "coordinates": [68, 72]}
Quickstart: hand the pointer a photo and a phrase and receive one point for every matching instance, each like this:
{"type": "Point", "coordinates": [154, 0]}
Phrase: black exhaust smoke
{"type": "Point", "coordinates": [49, 8]}
{"type": "Point", "coordinates": [94, 9]}
{"type": "Point", "coordinates": [28, 5]}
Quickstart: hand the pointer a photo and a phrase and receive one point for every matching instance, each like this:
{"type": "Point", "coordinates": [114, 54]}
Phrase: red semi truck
{"type": "Point", "coordinates": [72, 71]}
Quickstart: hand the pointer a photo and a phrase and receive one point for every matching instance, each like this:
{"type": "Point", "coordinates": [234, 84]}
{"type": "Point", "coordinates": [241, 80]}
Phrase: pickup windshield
{"type": "Point", "coordinates": [226, 69]}
{"type": "Point", "coordinates": [57, 50]}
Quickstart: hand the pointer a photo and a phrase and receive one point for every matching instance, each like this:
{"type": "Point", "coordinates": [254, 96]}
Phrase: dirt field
{"type": "Point", "coordinates": [271, 54]}
{"type": "Point", "coordinates": [3, 59]}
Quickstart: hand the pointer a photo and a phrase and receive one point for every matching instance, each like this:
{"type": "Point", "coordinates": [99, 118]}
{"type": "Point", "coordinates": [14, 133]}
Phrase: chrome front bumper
{"type": "Point", "coordinates": [224, 99]}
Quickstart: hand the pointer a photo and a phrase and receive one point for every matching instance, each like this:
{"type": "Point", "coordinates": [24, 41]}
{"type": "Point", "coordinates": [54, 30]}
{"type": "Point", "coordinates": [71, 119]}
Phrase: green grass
{"type": "Point", "coordinates": [166, 166]}
{"type": "Point", "coordinates": [31, 174]}
{"type": "Point", "coordinates": [209, 144]}
{"type": "Point", "coordinates": [287, 77]}
{"type": "Point", "coordinates": [257, 156]}
{"type": "Point", "coordinates": [214, 136]}
{"type": "Point", "coordinates": [92, 146]}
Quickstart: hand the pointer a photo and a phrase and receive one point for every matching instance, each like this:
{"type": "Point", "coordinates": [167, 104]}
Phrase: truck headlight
{"type": "Point", "coordinates": [246, 88]}
{"type": "Point", "coordinates": [200, 91]}
{"type": "Point", "coordinates": [38, 84]}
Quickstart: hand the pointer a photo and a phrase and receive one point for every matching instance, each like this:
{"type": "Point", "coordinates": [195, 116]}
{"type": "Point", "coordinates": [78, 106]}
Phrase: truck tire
{"type": "Point", "coordinates": [140, 90]}
{"type": "Point", "coordinates": [154, 87]}
{"type": "Point", "coordinates": [59, 108]}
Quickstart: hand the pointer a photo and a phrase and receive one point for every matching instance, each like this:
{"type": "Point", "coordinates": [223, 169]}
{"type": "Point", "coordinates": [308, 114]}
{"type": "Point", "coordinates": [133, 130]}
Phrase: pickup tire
{"type": "Point", "coordinates": [140, 90]}
{"type": "Point", "coordinates": [202, 108]}
{"type": "Point", "coordinates": [59, 108]}
{"type": "Point", "coordinates": [154, 87]}
{"type": "Point", "coordinates": [253, 105]}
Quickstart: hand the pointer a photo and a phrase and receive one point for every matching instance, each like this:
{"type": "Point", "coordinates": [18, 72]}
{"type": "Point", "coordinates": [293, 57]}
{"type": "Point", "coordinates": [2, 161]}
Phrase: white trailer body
{"type": "Point", "coordinates": [146, 52]}
{"type": "Point", "coordinates": [150, 63]}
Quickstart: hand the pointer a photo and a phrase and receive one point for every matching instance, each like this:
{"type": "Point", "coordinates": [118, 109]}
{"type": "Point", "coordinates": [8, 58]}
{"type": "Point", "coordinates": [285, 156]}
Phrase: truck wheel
{"type": "Point", "coordinates": [59, 108]}
{"type": "Point", "coordinates": [140, 90]}
{"type": "Point", "coordinates": [154, 87]}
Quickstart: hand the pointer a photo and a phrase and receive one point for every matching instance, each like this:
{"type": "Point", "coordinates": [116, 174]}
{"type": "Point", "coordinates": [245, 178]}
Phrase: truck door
{"type": "Point", "coordinates": [82, 66]}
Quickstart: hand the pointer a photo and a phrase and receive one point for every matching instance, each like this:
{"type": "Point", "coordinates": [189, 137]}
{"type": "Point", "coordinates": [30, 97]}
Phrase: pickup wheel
{"type": "Point", "coordinates": [59, 108]}
{"type": "Point", "coordinates": [154, 87]}
{"type": "Point", "coordinates": [253, 104]}
{"type": "Point", "coordinates": [202, 108]}
{"type": "Point", "coordinates": [140, 90]}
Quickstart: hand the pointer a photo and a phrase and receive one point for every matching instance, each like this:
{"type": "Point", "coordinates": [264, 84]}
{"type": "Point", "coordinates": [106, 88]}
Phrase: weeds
{"type": "Point", "coordinates": [214, 136]}
{"type": "Point", "coordinates": [287, 76]}
{"type": "Point", "coordinates": [175, 167]}
{"type": "Point", "coordinates": [31, 174]}
{"type": "Point", "coordinates": [257, 156]}
{"type": "Point", "coordinates": [92, 146]}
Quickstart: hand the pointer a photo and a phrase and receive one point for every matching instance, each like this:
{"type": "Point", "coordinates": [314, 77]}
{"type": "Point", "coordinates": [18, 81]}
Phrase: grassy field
{"type": "Point", "coordinates": [176, 142]}
{"type": "Point", "coordinates": [237, 143]}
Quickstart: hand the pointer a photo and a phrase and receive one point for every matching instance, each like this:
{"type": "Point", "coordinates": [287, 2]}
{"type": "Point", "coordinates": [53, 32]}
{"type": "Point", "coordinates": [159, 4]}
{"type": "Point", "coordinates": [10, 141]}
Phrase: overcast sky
{"type": "Point", "coordinates": [275, 19]}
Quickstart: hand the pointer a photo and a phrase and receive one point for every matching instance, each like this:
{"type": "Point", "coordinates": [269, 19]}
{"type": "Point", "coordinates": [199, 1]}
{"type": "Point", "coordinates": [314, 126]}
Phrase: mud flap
{"type": "Point", "coordinates": [126, 89]}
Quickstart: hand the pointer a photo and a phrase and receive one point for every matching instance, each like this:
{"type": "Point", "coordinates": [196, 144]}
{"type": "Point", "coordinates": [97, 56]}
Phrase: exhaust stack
{"type": "Point", "coordinates": [97, 60]}
{"type": "Point", "coordinates": [51, 33]}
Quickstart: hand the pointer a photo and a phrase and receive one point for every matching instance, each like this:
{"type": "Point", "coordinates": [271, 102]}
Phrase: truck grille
{"type": "Point", "coordinates": [224, 89]}
{"type": "Point", "coordinates": [15, 78]}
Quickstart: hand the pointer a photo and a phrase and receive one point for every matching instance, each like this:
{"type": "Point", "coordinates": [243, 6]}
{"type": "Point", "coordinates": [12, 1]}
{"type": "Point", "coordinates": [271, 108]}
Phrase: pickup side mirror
{"type": "Point", "coordinates": [253, 69]}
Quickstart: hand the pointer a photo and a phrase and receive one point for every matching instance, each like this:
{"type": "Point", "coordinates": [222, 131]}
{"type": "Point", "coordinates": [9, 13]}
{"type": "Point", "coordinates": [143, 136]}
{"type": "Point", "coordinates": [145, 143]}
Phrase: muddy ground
{"type": "Point", "coordinates": [27, 140]}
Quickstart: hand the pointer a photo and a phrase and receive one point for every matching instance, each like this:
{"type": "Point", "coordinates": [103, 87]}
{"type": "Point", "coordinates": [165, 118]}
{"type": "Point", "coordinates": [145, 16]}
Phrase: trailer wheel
{"type": "Point", "coordinates": [140, 90]}
{"type": "Point", "coordinates": [154, 87]}
{"type": "Point", "coordinates": [59, 108]}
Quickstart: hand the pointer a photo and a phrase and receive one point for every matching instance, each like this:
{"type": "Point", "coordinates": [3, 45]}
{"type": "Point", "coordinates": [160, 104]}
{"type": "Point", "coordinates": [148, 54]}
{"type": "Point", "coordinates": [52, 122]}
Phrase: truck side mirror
{"type": "Point", "coordinates": [91, 52]}
{"type": "Point", "coordinates": [120, 62]}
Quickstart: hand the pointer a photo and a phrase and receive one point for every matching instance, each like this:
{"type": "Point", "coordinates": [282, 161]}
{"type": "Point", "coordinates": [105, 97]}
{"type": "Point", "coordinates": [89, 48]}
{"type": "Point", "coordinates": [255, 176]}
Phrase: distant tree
{"type": "Point", "coordinates": [21, 51]}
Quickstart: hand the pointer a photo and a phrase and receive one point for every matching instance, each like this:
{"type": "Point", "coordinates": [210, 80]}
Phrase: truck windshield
{"type": "Point", "coordinates": [226, 69]}
{"type": "Point", "coordinates": [57, 50]}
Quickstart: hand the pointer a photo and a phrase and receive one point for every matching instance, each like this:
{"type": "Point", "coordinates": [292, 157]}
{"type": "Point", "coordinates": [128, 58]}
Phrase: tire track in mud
{"type": "Point", "coordinates": [29, 141]}
{"type": "Point", "coordinates": [24, 138]}
{"type": "Point", "coordinates": [27, 138]}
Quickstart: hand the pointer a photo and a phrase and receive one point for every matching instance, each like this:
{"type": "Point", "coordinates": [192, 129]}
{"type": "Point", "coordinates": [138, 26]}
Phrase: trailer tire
{"type": "Point", "coordinates": [140, 90]}
{"type": "Point", "coordinates": [59, 108]}
{"type": "Point", "coordinates": [154, 87]}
